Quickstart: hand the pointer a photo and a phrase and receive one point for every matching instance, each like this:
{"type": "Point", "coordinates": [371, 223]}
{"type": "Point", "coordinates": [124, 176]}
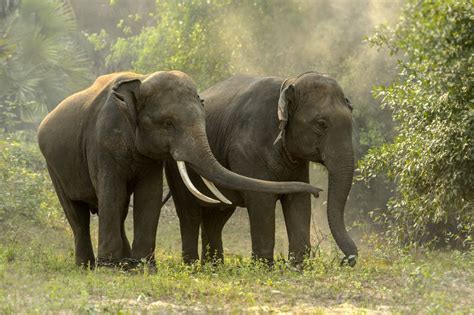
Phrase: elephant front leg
{"type": "Point", "coordinates": [146, 214]}
{"type": "Point", "coordinates": [189, 213]}
{"type": "Point", "coordinates": [297, 212]}
{"type": "Point", "coordinates": [261, 209]}
{"type": "Point", "coordinates": [113, 207]}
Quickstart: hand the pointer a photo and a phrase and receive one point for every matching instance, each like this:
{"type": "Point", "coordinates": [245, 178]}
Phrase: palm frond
{"type": "Point", "coordinates": [47, 63]}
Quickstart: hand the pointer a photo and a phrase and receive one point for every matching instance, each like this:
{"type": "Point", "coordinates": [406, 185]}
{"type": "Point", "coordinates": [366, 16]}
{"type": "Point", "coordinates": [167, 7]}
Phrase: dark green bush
{"type": "Point", "coordinates": [27, 197]}
{"type": "Point", "coordinates": [431, 159]}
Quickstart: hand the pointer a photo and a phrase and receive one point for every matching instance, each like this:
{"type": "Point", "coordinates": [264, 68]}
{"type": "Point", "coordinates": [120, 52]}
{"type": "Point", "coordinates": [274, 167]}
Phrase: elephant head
{"type": "Point", "coordinates": [316, 123]}
{"type": "Point", "coordinates": [168, 121]}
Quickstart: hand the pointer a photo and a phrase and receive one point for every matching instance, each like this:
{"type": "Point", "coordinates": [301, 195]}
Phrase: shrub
{"type": "Point", "coordinates": [431, 159]}
{"type": "Point", "coordinates": [27, 192]}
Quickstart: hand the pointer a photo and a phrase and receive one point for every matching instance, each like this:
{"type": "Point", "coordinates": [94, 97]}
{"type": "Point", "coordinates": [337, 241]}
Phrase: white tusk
{"type": "Point", "coordinates": [216, 191]}
{"type": "Point", "coordinates": [187, 181]}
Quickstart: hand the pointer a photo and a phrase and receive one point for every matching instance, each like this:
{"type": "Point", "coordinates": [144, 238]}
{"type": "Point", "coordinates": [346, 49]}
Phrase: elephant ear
{"type": "Point", "coordinates": [125, 95]}
{"type": "Point", "coordinates": [287, 97]}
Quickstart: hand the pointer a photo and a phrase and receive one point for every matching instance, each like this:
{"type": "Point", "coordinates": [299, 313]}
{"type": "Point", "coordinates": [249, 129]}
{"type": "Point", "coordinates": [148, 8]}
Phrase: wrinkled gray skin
{"type": "Point", "coordinates": [242, 125]}
{"type": "Point", "coordinates": [110, 140]}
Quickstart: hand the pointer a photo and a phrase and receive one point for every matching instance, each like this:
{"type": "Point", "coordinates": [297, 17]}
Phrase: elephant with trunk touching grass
{"type": "Point", "coordinates": [110, 140]}
{"type": "Point", "coordinates": [271, 128]}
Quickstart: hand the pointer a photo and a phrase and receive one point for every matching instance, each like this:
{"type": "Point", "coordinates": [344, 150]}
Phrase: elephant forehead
{"type": "Point", "coordinates": [314, 82]}
{"type": "Point", "coordinates": [176, 80]}
{"type": "Point", "coordinates": [173, 95]}
{"type": "Point", "coordinates": [173, 106]}
{"type": "Point", "coordinates": [323, 87]}
{"type": "Point", "coordinates": [319, 97]}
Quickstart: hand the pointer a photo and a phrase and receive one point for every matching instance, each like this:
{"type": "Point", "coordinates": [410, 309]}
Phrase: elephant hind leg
{"type": "Point", "coordinates": [78, 216]}
{"type": "Point", "coordinates": [213, 222]}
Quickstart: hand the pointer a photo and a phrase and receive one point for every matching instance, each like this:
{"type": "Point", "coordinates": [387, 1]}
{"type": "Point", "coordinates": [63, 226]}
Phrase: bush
{"type": "Point", "coordinates": [27, 192]}
{"type": "Point", "coordinates": [431, 159]}
{"type": "Point", "coordinates": [41, 61]}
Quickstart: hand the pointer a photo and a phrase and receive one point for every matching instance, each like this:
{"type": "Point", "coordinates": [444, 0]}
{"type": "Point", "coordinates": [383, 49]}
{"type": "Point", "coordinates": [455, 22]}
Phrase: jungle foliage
{"type": "Point", "coordinates": [431, 158]}
{"type": "Point", "coordinates": [8, 6]}
{"type": "Point", "coordinates": [41, 62]}
{"type": "Point", "coordinates": [28, 200]}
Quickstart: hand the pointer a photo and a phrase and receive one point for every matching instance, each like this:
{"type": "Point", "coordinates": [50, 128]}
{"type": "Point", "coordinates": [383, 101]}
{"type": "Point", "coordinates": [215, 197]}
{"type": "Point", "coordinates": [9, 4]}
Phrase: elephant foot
{"type": "Point", "coordinates": [107, 263]}
{"type": "Point", "coordinates": [138, 266]}
{"type": "Point", "coordinates": [297, 266]}
{"type": "Point", "coordinates": [127, 264]}
{"type": "Point", "coordinates": [89, 265]}
{"type": "Point", "coordinates": [266, 262]}
{"type": "Point", "coordinates": [190, 257]}
{"type": "Point", "coordinates": [350, 261]}
{"type": "Point", "coordinates": [214, 261]}
{"type": "Point", "coordinates": [190, 261]}
{"type": "Point", "coordinates": [149, 265]}
{"type": "Point", "coordinates": [296, 262]}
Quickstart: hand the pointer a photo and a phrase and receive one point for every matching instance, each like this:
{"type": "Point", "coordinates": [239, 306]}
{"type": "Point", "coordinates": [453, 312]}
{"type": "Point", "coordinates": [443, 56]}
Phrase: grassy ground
{"type": "Point", "coordinates": [37, 275]}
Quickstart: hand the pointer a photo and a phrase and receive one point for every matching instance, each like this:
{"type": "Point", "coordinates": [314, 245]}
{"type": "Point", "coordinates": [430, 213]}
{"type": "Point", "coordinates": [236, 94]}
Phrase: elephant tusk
{"type": "Point", "coordinates": [187, 181]}
{"type": "Point", "coordinates": [216, 191]}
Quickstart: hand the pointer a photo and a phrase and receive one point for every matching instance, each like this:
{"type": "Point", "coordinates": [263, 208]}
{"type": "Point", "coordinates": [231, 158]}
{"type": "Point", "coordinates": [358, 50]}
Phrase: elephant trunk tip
{"type": "Point", "coordinates": [315, 192]}
{"type": "Point", "coordinates": [350, 261]}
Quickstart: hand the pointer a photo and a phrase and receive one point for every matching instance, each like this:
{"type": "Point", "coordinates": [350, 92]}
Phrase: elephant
{"type": "Point", "coordinates": [270, 128]}
{"type": "Point", "coordinates": [111, 140]}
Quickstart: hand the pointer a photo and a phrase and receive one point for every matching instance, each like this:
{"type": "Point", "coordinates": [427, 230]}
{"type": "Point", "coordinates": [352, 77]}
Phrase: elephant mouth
{"type": "Point", "coordinates": [183, 172]}
{"type": "Point", "coordinates": [314, 156]}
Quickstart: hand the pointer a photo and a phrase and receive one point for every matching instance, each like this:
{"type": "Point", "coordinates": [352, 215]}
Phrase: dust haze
{"type": "Point", "coordinates": [285, 39]}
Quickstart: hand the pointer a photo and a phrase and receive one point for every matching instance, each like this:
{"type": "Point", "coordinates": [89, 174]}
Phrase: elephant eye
{"type": "Point", "coordinates": [322, 124]}
{"type": "Point", "coordinates": [168, 122]}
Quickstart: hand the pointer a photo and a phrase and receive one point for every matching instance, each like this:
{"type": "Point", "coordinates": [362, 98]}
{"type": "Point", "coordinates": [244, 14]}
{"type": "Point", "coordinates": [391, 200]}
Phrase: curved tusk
{"type": "Point", "coordinates": [216, 191]}
{"type": "Point", "coordinates": [187, 181]}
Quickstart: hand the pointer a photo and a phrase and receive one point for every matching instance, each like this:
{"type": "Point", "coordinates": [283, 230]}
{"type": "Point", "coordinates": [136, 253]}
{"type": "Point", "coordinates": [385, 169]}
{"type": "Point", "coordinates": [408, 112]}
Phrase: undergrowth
{"type": "Point", "coordinates": [41, 277]}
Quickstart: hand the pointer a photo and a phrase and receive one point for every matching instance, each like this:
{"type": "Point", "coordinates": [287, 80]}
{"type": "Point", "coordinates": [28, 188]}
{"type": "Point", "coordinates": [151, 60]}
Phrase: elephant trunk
{"type": "Point", "coordinates": [340, 176]}
{"type": "Point", "coordinates": [199, 156]}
